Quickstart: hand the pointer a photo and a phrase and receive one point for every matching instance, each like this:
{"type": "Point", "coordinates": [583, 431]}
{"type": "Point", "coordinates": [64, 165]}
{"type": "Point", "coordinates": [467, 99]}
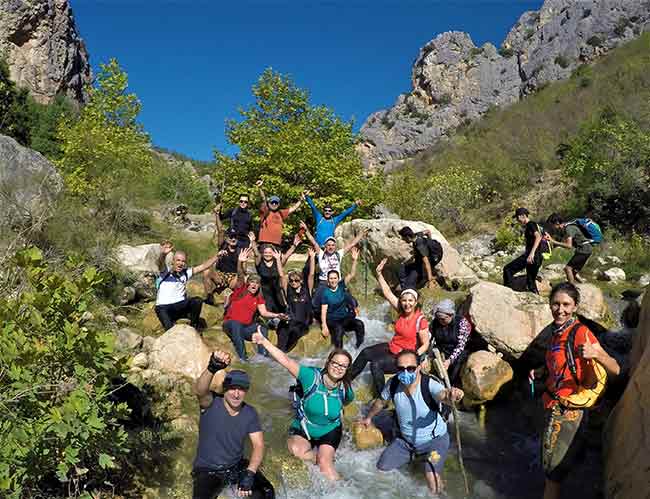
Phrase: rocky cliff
{"type": "Point", "coordinates": [43, 48]}
{"type": "Point", "coordinates": [455, 82]}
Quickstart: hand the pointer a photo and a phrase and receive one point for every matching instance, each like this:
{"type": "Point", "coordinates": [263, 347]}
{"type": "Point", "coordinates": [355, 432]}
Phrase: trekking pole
{"type": "Point", "coordinates": [445, 377]}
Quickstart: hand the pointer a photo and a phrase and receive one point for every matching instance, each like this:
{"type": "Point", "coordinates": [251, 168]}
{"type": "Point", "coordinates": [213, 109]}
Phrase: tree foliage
{"type": "Point", "coordinates": [60, 431]}
{"type": "Point", "coordinates": [609, 160]}
{"type": "Point", "coordinates": [105, 149]}
{"type": "Point", "coordinates": [292, 146]}
{"type": "Point", "coordinates": [14, 121]}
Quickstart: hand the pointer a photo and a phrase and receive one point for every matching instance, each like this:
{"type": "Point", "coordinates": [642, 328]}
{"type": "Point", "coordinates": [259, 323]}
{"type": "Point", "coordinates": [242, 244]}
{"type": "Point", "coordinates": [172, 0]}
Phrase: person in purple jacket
{"type": "Point", "coordinates": [326, 222]}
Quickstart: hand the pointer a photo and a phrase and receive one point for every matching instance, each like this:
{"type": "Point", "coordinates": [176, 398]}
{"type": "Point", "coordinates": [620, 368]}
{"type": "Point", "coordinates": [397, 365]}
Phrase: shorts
{"type": "Point", "coordinates": [221, 280]}
{"type": "Point", "coordinates": [332, 438]}
{"type": "Point", "coordinates": [578, 261]}
{"type": "Point", "coordinates": [432, 454]}
{"type": "Point", "coordinates": [563, 441]}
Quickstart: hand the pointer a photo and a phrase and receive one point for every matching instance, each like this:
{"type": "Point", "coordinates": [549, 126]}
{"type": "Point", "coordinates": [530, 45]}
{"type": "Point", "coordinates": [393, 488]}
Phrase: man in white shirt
{"type": "Point", "coordinates": [172, 302]}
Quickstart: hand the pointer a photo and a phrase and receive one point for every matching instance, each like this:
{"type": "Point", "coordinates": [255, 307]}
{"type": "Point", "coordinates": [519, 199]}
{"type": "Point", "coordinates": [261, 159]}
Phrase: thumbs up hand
{"type": "Point", "coordinates": [589, 350]}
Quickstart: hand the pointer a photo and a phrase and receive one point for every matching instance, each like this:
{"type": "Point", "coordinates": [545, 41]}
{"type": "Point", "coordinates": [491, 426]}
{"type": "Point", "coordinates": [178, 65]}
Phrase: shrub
{"type": "Point", "coordinates": [562, 61]}
{"type": "Point", "coordinates": [508, 236]}
{"type": "Point", "coordinates": [60, 429]}
{"type": "Point", "coordinates": [475, 51]}
{"type": "Point", "coordinates": [595, 41]}
{"type": "Point", "coordinates": [506, 52]}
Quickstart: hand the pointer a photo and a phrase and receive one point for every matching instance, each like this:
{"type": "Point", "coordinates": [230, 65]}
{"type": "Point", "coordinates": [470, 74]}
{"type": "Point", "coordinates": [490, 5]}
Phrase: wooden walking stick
{"type": "Point", "coordinates": [440, 367]}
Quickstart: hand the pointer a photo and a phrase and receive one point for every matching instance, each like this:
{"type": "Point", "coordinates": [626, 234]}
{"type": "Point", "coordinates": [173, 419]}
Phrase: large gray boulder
{"type": "Point", "coordinates": [29, 185]}
{"type": "Point", "coordinates": [141, 258]}
{"type": "Point", "coordinates": [383, 241]}
{"type": "Point", "coordinates": [454, 82]}
{"type": "Point", "coordinates": [43, 48]}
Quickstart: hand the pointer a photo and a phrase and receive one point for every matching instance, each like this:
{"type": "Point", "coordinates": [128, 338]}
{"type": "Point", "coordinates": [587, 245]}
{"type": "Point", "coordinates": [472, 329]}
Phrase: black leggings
{"type": "Point", "coordinates": [190, 308]}
{"type": "Point", "coordinates": [338, 329]}
{"type": "Point", "coordinates": [382, 361]}
{"type": "Point", "coordinates": [289, 332]}
{"type": "Point", "coordinates": [209, 484]}
{"type": "Point", "coordinates": [520, 263]}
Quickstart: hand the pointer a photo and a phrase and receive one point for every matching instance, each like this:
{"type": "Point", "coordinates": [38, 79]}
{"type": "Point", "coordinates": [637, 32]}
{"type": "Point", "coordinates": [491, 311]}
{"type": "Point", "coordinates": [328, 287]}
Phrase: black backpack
{"type": "Point", "coordinates": [435, 250]}
{"type": "Point", "coordinates": [431, 402]}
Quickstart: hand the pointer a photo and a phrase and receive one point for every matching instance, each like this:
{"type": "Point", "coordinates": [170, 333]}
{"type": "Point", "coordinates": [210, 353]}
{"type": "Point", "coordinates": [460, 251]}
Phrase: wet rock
{"type": "Point", "coordinates": [286, 472]}
{"type": "Point", "coordinates": [366, 438]}
{"type": "Point", "coordinates": [627, 433]}
{"type": "Point", "coordinates": [384, 241]}
{"type": "Point", "coordinates": [127, 339]}
{"type": "Point", "coordinates": [615, 274]}
{"type": "Point", "coordinates": [311, 344]}
{"type": "Point", "coordinates": [483, 375]}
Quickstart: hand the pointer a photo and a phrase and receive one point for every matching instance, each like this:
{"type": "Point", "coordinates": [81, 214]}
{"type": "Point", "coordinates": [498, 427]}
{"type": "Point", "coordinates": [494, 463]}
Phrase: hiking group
{"type": "Point", "coordinates": [290, 301]}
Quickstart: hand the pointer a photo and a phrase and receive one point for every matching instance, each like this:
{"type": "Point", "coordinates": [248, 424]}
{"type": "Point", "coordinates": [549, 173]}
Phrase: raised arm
{"type": "Point", "coordinates": [284, 282]}
{"type": "Point", "coordinates": [357, 239]}
{"type": "Point", "coordinates": [310, 237]}
{"type": "Point", "coordinates": [354, 253]}
{"type": "Point", "coordinates": [296, 205]}
{"type": "Point", "coordinates": [312, 270]}
{"type": "Point", "coordinates": [348, 211]}
{"type": "Point", "coordinates": [385, 288]}
{"type": "Point", "coordinates": [259, 184]}
{"type": "Point", "coordinates": [206, 265]}
{"type": "Point", "coordinates": [166, 247]}
{"type": "Point", "coordinates": [241, 265]}
{"type": "Point", "coordinates": [292, 249]}
{"type": "Point", "coordinates": [280, 357]}
{"type": "Point", "coordinates": [314, 211]}
{"type": "Point", "coordinates": [218, 360]}
{"type": "Point", "coordinates": [219, 233]}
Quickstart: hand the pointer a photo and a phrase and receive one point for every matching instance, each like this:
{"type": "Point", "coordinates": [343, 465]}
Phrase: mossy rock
{"type": "Point", "coordinates": [150, 323]}
{"type": "Point", "coordinates": [285, 471]}
{"type": "Point", "coordinates": [311, 344]}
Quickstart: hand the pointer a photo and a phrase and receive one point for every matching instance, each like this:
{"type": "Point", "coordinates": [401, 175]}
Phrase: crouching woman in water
{"type": "Point", "coordinates": [316, 432]}
{"type": "Point", "coordinates": [410, 334]}
{"type": "Point", "coordinates": [575, 362]}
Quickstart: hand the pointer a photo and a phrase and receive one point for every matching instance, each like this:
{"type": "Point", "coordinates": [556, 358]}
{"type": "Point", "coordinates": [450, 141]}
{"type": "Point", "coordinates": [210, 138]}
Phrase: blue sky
{"type": "Point", "coordinates": [192, 62]}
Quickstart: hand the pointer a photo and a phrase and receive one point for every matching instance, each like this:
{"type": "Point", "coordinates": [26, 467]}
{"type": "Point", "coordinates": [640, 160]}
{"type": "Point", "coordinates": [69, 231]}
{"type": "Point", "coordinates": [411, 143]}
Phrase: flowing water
{"type": "Point", "coordinates": [500, 449]}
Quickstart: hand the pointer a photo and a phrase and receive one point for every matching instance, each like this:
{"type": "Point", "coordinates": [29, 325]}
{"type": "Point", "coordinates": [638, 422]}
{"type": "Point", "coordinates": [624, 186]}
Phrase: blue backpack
{"type": "Point", "coordinates": [589, 228]}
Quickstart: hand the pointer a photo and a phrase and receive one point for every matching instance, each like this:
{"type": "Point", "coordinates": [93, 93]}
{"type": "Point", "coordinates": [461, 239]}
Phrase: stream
{"type": "Point", "coordinates": [500, 449]}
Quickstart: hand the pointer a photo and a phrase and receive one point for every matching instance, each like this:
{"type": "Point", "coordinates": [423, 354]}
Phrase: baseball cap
{"type": "Point", "coordinates": [275, 199]}
{"type": "Point", "coordinates": [236, 378]}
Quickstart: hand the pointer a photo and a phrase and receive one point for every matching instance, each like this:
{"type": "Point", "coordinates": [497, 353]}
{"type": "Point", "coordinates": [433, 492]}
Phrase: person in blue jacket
{"type": "Point", "coordinates": [326, 222]}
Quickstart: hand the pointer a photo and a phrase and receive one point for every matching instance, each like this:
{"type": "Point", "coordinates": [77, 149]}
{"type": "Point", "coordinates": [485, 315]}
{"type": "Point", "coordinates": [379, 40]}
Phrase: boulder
{"type": "Point", "coordinates": [43, 49]}
{"type": "Point", "coordinates": [126, 340]}
{"type": "Point", "coordinates": [181, 351]}
{"type": "Point", "coordinates": [29, 184]}
{"type": "Point", "coordinates": [592, 302]}
{"type": "Point", "coordinates": [384, 241]}
{"type": "Point", "coordinates": [627, 433]}
{"type": "Point", "coordinates": [127, 295]}
{"type": "Point", "coordinates": [366, 438]}
{"type": "Point", "coordinates": [142, 258]}
{"type": "Point", "coordinates": [121, 320]}
{"type": "Point", "coordinates": [483, 375]}
{"type": "Point", "coordinates": [506, 319]}
{"type": "Point", "coordinates": [140, 361]}
{"type": "Point", "coordinates": [615, 274]}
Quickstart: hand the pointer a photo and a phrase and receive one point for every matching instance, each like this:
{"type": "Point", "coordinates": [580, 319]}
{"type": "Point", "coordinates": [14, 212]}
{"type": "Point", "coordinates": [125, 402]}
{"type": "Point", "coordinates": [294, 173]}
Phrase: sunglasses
{"type": "Point", "coordinates": [243, 200]}
{"type": "Point", "coordinates": [295, 280]}
{"type": "Point", "coordinates": [274, 202]}
{"type": "Point", "coordinates": [410, 369]}
{"type": "Point", "coordinates": [333, 363]}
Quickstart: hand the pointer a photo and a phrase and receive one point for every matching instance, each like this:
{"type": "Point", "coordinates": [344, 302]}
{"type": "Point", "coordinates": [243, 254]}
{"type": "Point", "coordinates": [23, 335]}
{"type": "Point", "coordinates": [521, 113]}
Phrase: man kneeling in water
{"type": "Point", "coordinates": [422, 430]}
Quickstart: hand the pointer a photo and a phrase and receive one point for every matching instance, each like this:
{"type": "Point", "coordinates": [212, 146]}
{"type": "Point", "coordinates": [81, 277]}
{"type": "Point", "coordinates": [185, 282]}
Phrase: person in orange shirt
{"type": "Point", "coordinates": [563, 438]}
{"type": "Point", "coordinates": [272, 217]}
{"type": "Point", "coordinates": [411, 333]}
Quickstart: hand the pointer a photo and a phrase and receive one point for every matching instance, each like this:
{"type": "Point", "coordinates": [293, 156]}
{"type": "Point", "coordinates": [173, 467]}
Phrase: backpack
{"type": "Point", "coordinates": [545, 247]}
{"type": "Point", "coordinates": [590, 229]}
{"type": "Point", "coordinates": [300, 396]}
{"type": "Point", "coordinates": [431, 402]}
{"type": "Point", "coordinates": [435, 251]}
{"type": "Point", "coordinates": [164, 275]}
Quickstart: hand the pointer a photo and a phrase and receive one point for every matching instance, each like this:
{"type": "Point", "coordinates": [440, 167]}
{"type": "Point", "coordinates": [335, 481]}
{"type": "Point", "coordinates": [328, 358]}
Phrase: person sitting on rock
{"type": "Point", "coordinates": [268, 263]}
{"type": "Point", "coordinates": [316, 431]}
{"type": "Point", "coordinates": [272, 218]}
{"type": "Point", "coordinates": [427, 253]}
{"type": "Point", "coordinates": [246, 301]}
{"type": "Point", "coordinates": [326, 222]}
{"type": "Point", "coordinates": [411, 333]}
{"type": "Point", "coordinates": [575, 239]}
{"type": "Point", "coordinates": [240, 220]}
{"type": "Point", "coordinates": [449, 334]}
{"type": "Point", "coordinates": [531, 259]}
{"type": "Point", "coordinates": [570, 371]}
{"type": "Point", "coordinates": [224, 274]}
{"type": "Point", "coordinates": [423, 431]}
{"type": "Point", "coordinates": [298, 290]}
{"type": "Point", "coordinates": [226, 422]}
{"type": "Point", "coordinates": [328, 258]}
{"type": "Point", "coordinates": [172, 302]}
{"type": "Point", "coordinates": [337, 317]}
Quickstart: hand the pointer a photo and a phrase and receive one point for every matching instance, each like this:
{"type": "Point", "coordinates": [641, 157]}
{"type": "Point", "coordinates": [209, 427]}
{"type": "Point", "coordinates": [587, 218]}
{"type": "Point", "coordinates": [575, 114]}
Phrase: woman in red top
{"type": "Point", "coordinates": [563, 438]}
{"type": "Point", "coordinates": [410, 326]}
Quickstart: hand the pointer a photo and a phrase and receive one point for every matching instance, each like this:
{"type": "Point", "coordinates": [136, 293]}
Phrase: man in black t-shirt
{"type": "Point", "coordinates": [531, 259]}
{"type": "Point", "coordinates": [418, 272]}
{"type": "Point", "coordinates": [226, 423]}
{"type": "Point", "coordinates": [224, 274]}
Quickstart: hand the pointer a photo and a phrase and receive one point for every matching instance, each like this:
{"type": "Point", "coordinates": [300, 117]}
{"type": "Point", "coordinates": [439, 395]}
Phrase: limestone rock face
{"type": "Point", "coordinates": [453, 81]}
{"type": "Point", "coordinates": [627, 434]}
{"type": "Point", "coordinates": [384, 241]}
{"type": "Point", "coordinates": [483, 376]}
{"type": "Point", "coordinates": [29, 184]}
{"type": "Point", "coordinates": [44, 50]}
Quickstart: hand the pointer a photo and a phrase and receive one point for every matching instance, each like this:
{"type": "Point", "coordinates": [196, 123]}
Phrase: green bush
{"type": "Point", "coordinates": [506, 52]}
{"type": "Point", "coordinates": [595, 41]}
{"type": "Point", "coordinates": [60, 430]}
{"type": "Point", "coordinates": [562, 61]}
{"type": "Point", "coordinates": [508, 236]}
{"type": "Point", "coordinates": [174, 183]}
{"type": "Point", "coordinates": [14, 118]}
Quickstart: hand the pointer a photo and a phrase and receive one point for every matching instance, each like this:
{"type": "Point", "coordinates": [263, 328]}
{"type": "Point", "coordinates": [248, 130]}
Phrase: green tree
{"type": "Point", "coordinates": [59, 430]}
{"type": "Point", "coordinates": [44, 120]}
{"type": "Point", "coordinates": [105, 149]}
{"type": "Point", "coordinates": [292, 146]}
{"type": "Point", "coordinates": [14, 119]}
